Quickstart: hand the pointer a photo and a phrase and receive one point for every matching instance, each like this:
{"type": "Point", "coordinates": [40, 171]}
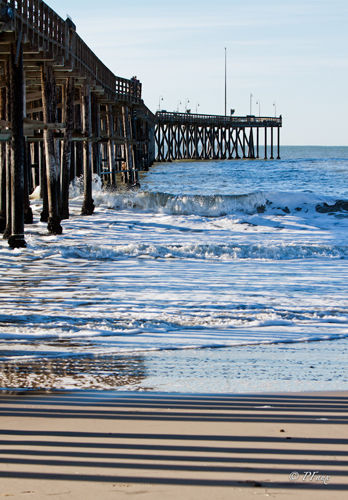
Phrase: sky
{"type": "Point", "coordinates": [291, 55]}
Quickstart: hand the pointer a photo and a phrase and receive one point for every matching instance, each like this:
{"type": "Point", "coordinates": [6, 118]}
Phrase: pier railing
{"type": "Point", "coordinates": [218, 120]}
{"type": "Point", "coordinates": [47, 35]}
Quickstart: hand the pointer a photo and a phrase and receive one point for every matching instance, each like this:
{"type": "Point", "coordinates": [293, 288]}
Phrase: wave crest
{"type": "Point", "coordinates": [289, 251]}
{"type": "Point", "coordinates": [216, 205]}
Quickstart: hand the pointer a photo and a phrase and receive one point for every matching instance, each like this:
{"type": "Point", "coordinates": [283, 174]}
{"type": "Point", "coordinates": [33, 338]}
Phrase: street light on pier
{"type": "Point", "coordinates": [159, 102]}
{"type": "Point", "coordinates": [225, 81]}
{"type": "Point", "coordinates": [179, 104]}
{"type": "Point", "coordinates": [275, 109]}
{"type": "Point", "coordinates": [186, 103]}
{"type": "Point", "coordinates": [197, 104]}
{"type": "Point", "coordinates": [259, 103]}
{"type": "Point", "coordinates": [251, 104]}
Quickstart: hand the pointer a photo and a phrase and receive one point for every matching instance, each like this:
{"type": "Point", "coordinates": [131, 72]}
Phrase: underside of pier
{"type": "Point", "coordinates": [63, 114]}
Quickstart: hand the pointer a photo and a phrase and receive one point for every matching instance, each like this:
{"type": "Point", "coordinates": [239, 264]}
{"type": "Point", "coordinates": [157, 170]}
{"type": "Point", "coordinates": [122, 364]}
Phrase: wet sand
{"type": "Point", "coordinates": [93, 444]}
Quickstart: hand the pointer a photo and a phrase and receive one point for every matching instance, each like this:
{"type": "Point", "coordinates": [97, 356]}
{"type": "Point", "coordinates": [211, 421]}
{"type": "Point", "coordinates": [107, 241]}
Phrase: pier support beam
{"type": "Point", "coordinates": [7, 231]}
{"type": "Point", "coordinates": [43, 182]}
{"type": "Point", "coordinates": [28, 213]}
{"type": "Point", "coordinates": [96, 128]}
{"type": "Point", "coordinates": [69, 91]}
{"type": "Point", "coordinates": [49, 115]}
{"type": "Point", "coordinates": [129, 147]}
{"type": "Point", "coordinates": [16, 240]}
{"type": "Point", "coordinates": [88, 203]}
{"type": "Point", "coordinates": [2, 165]}
{"type": "Point", "coordinates": [111, 144]}
{"type": "Point", "coordinates": [272, 157]}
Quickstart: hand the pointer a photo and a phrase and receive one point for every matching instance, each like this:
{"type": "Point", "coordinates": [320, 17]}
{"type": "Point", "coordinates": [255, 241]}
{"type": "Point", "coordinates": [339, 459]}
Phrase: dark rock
{"type": "Point", "coordinates": [339, 206]}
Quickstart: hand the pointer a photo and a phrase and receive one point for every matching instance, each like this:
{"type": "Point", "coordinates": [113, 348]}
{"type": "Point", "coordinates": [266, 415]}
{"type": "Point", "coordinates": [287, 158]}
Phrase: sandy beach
{"type": "Point", "coordinates": [90, 444]}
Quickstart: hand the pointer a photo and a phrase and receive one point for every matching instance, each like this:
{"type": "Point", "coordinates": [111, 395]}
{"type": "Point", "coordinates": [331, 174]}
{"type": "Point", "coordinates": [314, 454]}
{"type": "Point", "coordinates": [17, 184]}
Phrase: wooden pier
{"type": "Point", "coordinates": [189, 136]}
{"type": "Point", "coordinates": [63, 114]}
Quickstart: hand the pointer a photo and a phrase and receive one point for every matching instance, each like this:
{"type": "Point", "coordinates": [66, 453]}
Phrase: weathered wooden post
{"type": "Point", "coordinates": [28, 213]}
{"type": "Point", "coordinates": [266, 142]}
{"type": "Point", "coordinates": [251, 151]}
{"type": "Point", "coordinates": [272, 157]}
{"type": "Point", "coordinates": [237, 139]}
{"type": "Point", "coordinates": [196, 141]}
{"type": "Point", "coordinates": [7, 231]}
{"type": "Point", "coordinates": [43, 182]}
{"type": "Point", "coordinates": [187, 141]}
{"type": "Point", "coordinates": [49, 114]}
{"type": "Point", "coordinates": [129, 147]}
{"type": "Point", "coordinates": [16, 240]}
{"type": "Point", "coordinates": [66, 163]}
{"type": "Point", "coordinates": [278, 144]}
{"type": "Point", "coordinates": [2, 165]}
{"type": "Point", "coordinates": [111, 143]}
{"type": "Point", "coordinates": [88, 203]}
{"type": "Point", "coordinates": [78, 146]}
{"type": "Point", "coordinates": [96, 156]}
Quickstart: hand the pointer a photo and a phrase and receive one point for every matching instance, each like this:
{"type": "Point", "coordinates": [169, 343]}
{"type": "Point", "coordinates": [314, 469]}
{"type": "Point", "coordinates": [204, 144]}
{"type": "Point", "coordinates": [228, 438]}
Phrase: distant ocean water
{"type": "Point", "coordinates": [214, 277]}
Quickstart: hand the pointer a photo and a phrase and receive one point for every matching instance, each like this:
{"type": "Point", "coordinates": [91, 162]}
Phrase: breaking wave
{"type": "Point", "coordinates": [219, 205]}
{"type": "Point", "coordinates": [282, 251]}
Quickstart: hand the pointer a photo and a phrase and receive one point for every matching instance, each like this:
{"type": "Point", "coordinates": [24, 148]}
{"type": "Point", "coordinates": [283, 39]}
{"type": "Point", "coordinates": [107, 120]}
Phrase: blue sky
{"type": "Point", "coordinates": [294, 53]}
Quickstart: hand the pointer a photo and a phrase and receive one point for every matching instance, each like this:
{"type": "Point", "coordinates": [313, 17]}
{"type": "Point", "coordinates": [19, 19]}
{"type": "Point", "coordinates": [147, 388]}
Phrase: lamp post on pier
{"type": "Point", "coordinates": [186, 103]}
{"type": "Point", "coordinates": [259, 103]}
{"type": "Point", "coordinates": [179, 103]}
{"type": "Point", "coordinates": [251, 104]}
{"type": "Point", "coordinates": [159, 102]}
{"type": "Point", "coordinates": [197, 104]}
{"type": "Point", "coordinates": [225, 81]}
{"type": "Point", "coordinates": [275, 109]}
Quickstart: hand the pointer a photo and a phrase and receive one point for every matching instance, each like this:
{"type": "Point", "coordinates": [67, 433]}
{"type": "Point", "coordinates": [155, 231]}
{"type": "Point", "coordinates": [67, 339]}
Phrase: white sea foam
{"type": "Point", "coordinates": [177, 266]}
{"type": "Point", "coordinates": [279, 251]}
{"type": "Point", "coordinates": [210, 205]}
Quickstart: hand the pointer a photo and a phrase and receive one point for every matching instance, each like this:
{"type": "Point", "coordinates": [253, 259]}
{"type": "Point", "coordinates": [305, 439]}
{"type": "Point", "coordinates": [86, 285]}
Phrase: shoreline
{"type": "Point", "coordinates": [89, 444]}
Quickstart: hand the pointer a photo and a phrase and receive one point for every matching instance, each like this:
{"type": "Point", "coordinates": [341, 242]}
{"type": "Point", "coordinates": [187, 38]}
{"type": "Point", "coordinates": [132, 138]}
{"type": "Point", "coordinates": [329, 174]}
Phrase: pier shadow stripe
{"type": "Point", "coordinates": [167, 458]}
{"type": "Point", "coordinates": [175, 417]}
{"type": "Point", "coordinates": [179, 458]}
{"type": "Point", "coordinates": [159, 467]}
{"type": "Point", "coordinates": [168, 437]}
{"type": "Point", "coordinates": [173, 481]}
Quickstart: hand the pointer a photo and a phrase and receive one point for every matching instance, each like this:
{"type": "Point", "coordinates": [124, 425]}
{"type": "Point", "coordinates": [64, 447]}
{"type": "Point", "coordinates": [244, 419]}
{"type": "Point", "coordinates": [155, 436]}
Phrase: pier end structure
{"type": "Point", "coordinates": [186, 136]}
{"type": "Point", "coordinates": [76, 118]}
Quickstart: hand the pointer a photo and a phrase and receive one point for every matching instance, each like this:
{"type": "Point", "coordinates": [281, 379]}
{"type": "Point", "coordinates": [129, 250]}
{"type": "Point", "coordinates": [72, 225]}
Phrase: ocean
{"type": "Point", "coordinates": [221, 276]}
